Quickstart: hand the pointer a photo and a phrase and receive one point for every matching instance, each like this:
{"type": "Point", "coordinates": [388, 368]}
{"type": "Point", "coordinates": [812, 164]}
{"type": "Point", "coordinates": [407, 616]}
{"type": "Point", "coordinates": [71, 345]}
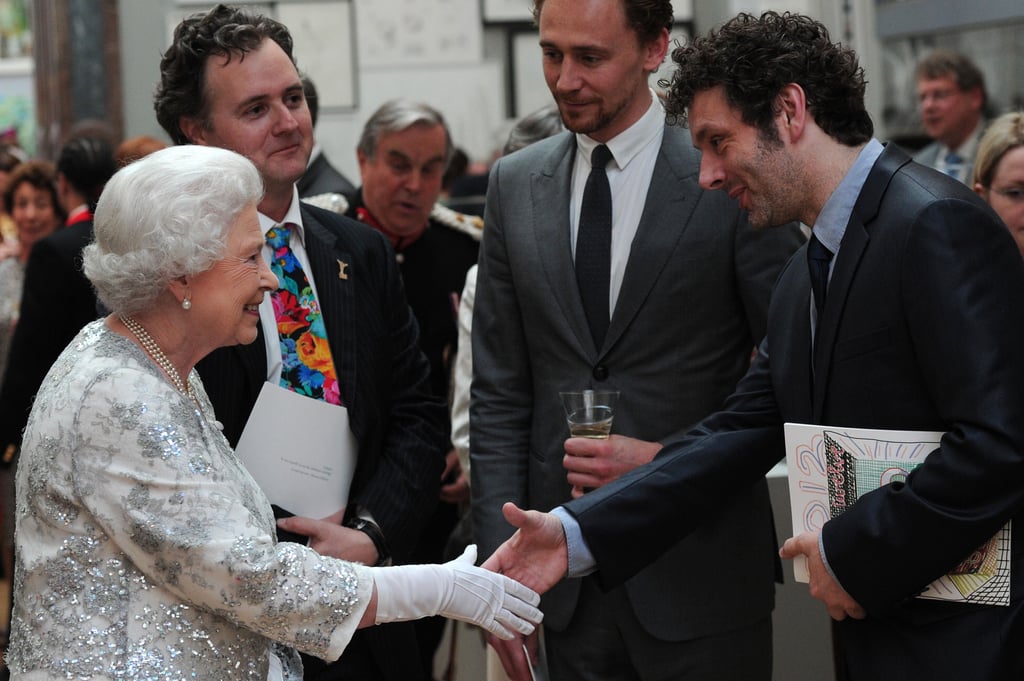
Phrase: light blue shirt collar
{"type": "Point", "coordinates": [835, 214]}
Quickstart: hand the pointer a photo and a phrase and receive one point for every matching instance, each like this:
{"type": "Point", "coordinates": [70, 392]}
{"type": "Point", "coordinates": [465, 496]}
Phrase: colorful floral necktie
{"type": "Point", "coordinates": [306, 364]}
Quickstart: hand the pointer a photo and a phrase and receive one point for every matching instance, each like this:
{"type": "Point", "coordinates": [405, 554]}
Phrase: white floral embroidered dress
{"type": "Point", "coordinates": [145, 549]}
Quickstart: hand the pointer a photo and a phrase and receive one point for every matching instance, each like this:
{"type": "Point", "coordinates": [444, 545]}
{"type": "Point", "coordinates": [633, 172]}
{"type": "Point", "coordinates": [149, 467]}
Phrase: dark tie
{"type": "Point", "coordinates": [954, 164]}
{"type": "Point", "coordinates": [818, 259]}
{"type": "Point", "coordinates": [594, 245]}
{"type": "Point", "coordinates": [307, 367]}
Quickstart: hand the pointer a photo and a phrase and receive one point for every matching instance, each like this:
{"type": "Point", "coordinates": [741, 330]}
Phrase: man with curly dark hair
{"type": "Point", "coordinates": [229, 80]}
{"type": "Point", "coordinates": [223, 32]}
{"type": "Point", "coordinates": [902, 313]}
{"type": "Point", "coordinates": [665, 302]}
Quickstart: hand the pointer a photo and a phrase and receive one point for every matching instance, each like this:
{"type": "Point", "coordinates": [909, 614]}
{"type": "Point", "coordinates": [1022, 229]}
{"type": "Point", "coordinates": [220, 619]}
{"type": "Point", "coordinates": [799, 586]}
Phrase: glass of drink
{"type": "Point", "coordinates": [590, 412]}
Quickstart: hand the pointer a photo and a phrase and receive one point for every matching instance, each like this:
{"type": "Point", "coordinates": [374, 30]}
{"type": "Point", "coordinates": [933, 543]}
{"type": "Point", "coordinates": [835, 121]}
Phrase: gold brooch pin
{"type": "Point", "coordinates": [342, 270]}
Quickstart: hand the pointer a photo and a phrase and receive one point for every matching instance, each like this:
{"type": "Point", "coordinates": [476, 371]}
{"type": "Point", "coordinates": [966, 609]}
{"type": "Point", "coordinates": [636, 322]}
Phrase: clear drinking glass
{"type": "Point", "coordinates": [590, 412]}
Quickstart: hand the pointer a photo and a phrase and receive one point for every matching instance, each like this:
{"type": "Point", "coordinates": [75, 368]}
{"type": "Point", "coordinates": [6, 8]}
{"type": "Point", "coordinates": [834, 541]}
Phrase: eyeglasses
{"type": "Point", "coordinates": [1013, 194]}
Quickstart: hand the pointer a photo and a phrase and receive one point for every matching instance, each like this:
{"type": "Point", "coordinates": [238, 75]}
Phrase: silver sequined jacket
{"type": "Point", "coordinates": [145, 549]}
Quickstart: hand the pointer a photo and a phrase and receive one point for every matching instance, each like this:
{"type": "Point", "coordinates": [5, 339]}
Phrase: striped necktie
{"type": "Point", "coordinates": [954, 163]}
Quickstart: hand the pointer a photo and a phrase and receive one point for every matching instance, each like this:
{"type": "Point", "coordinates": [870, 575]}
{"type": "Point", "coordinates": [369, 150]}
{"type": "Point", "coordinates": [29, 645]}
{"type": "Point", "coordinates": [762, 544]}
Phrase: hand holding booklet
{"type": "Point", "coordinates": [830, 468]}
{"type": "Point", "coordinates": [300, 451]}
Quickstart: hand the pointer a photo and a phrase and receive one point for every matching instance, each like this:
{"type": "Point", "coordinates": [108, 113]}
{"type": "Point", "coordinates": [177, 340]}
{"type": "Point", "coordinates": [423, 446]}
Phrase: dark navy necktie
{"type": "Point", "coordinates": [594, 245]}
{"type": "Point", "coordinates": [818, 259]}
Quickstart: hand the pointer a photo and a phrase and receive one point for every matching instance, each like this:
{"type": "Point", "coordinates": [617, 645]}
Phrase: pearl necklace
{"type": "Point", "coordinates": [154, 351]}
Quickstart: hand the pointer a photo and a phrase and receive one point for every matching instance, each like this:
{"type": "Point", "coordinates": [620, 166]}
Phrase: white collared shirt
{"type": "Point", "coordinates": [634, 152]}
{"type": "Point", "coordinates": [267, 319]}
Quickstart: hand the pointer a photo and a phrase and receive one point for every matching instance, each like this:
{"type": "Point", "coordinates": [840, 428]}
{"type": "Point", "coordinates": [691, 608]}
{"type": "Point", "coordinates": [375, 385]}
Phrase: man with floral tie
{"type": "Point", "coordinates": [229, 80]}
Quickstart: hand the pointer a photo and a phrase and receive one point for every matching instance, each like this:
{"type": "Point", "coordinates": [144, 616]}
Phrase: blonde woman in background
{"type": "Point", "coordinates": [999, 171]}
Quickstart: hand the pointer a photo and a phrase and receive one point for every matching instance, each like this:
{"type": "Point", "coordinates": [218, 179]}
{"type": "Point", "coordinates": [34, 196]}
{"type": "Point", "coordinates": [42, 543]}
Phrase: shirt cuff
{"type": "Point", "coordinates": [824, 559]}
{"type": "Point", "coordinates": [581, 560]}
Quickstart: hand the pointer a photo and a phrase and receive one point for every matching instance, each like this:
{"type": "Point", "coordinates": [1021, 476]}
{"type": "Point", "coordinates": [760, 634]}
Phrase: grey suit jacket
{"type": "Point", "coordinates": [692, 306]}
{"type": "Point", "coordinates": [929, 156]}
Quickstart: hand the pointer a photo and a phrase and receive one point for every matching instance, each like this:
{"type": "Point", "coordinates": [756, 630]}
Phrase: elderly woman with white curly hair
{"type": "Point", "coordinates": [145, 549]}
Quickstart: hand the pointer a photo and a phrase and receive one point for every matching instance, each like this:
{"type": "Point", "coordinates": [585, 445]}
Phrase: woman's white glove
{"type": "Point", "coordinates": [458, 590]}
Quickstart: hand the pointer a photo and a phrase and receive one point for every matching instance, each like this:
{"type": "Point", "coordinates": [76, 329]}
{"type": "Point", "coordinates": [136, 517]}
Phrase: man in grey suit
{"type": "Point", "coordinates": [687, 287]}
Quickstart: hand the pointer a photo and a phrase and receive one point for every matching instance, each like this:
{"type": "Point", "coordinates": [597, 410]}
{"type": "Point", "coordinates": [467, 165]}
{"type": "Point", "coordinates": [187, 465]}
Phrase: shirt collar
{"type": "Point", "coordinates": [835, 214]}
{"type": "Point", "coordinates": [631, 141]}
{"type": "Point", "coordinates": [294, 216]}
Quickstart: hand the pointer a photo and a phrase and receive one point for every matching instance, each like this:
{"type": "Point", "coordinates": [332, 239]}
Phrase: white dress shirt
{"type": "Point", "coordinates": [634, 153]}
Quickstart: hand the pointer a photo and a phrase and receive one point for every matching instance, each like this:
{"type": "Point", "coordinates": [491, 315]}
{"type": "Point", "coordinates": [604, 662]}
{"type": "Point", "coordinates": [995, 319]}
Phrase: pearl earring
{"type": "Point", "coordinates": [186, 304]}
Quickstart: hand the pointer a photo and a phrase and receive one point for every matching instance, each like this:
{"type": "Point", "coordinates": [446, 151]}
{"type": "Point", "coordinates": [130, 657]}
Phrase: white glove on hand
{"type": "Point", "coordinates": [458, 590]}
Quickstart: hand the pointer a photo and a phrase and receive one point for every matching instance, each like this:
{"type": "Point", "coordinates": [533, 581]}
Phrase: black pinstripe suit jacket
{"type": "Point", "coordinates": [384, 381]}
{"type": "Point", "coordinates": [384, 378]}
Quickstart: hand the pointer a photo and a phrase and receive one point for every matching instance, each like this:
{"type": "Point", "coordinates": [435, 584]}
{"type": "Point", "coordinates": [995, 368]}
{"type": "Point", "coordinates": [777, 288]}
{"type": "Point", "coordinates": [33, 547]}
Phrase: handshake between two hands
{"type": "Point", "coordinates": [533, 560]}
{"type": "Point", "coordinates": [501, 597]}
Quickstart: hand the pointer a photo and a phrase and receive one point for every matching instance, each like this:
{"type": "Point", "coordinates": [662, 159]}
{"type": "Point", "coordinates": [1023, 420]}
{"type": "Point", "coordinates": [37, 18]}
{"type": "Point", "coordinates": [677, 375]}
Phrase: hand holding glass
{"type": "Point", "coordinates": [590, 412]}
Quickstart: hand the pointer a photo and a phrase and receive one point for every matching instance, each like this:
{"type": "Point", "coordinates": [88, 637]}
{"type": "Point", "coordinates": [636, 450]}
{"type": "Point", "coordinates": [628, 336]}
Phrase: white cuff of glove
{"type": "Point", "coordinates": [458, 590]}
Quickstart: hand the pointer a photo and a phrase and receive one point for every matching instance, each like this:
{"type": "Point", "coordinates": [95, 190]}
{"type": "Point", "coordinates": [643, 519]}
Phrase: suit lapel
{"type": "Point", "coordinates": [854, 242]}
{"type": "Point", "coordinates": [325, 249]}
{"type": "Point", "coordinates": [851, 252]}
{"type": "Point", "coordinates": [550, 189]}
{"type": "Point", "coordinates": [666, 214]}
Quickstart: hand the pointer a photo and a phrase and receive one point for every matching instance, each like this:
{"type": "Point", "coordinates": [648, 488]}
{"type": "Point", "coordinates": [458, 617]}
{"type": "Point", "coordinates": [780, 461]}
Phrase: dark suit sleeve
{"type": "Point", "coordinates": [960, 286]}
{"type": "Point", "coordinates": [55, 305]}
{"type": "Point", "coordinates": [631, 522]}
{"type": "Point", "coordinates": [403, 488]}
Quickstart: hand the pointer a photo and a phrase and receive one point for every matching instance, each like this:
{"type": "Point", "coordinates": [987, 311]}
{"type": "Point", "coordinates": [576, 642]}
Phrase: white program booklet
{"type": "Point", "coordinates": [300, 451]}
{"type": "Point", "coordinates": [830, 468]}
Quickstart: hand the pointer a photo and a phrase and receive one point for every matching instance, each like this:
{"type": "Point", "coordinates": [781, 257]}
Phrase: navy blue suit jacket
{"type": "Point", "coordinates": [922, 330]}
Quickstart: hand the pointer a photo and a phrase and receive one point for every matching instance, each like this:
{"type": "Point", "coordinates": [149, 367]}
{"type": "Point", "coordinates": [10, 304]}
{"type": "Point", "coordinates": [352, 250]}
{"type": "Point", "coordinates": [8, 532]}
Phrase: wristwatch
{"type": "Point", "coordinates": [371, 530]}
